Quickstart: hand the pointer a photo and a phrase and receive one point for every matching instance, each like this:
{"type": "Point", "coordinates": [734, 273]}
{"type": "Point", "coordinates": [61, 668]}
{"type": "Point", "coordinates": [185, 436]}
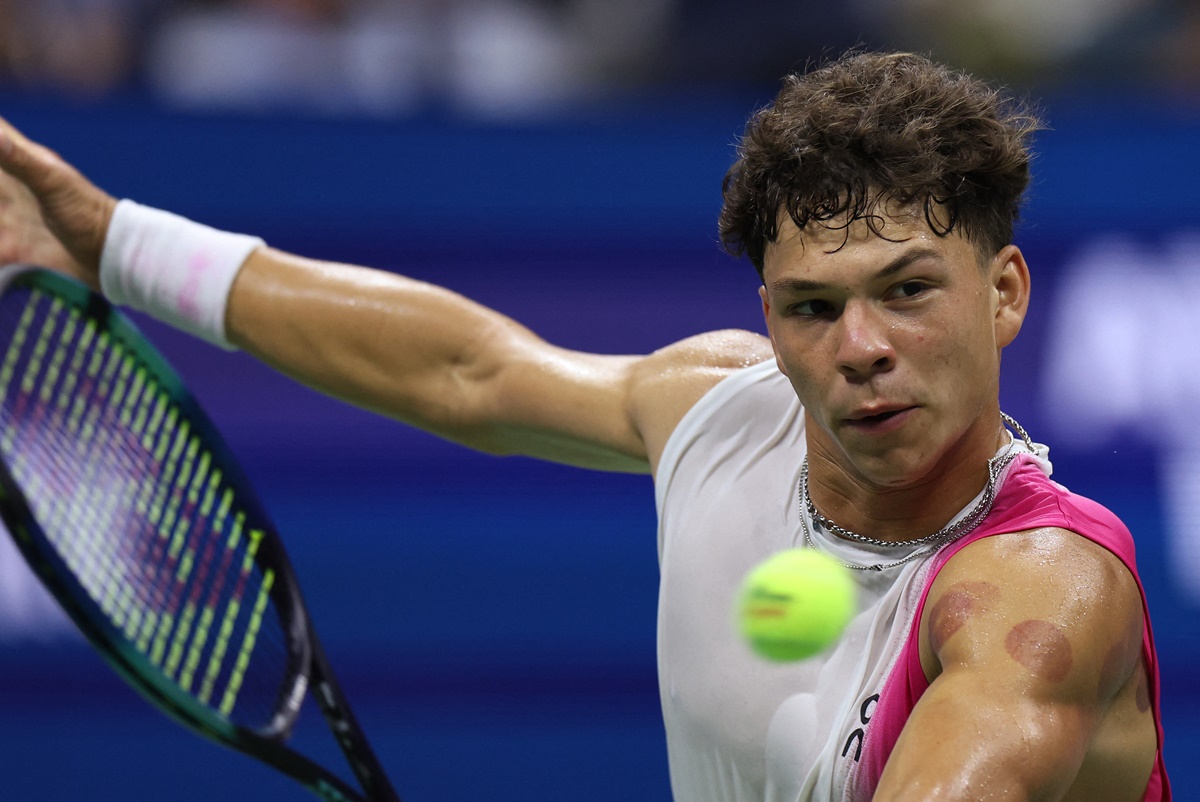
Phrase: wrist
{"type": "Point", "coordinates": [172, 268]}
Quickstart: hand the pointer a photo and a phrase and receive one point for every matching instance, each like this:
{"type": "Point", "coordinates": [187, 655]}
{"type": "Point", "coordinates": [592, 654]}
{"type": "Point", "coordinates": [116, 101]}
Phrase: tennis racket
{"type": "Point", "coordinates": [127, 505]}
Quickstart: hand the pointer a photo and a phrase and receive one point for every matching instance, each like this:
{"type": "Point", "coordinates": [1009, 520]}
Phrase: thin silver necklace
{"type": "Point", "coordinates": [962, 526]}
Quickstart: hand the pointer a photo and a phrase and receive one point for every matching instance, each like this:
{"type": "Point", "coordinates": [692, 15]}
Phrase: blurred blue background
{"type": "Point", "coordinates": [560, 160]}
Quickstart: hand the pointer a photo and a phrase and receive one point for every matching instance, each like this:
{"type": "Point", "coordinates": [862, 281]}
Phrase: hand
{"type": "Point", "coordinates": [50, 214]}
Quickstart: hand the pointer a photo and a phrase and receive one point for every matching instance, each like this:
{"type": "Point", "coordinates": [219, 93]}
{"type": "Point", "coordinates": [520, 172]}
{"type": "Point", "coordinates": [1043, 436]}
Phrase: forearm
{"type": "Point", "coordinates": [415, 352]}
{"type": "Point", "coordinates": [400, 347]}
{"type": "Point", "coordinates": [404, 348]}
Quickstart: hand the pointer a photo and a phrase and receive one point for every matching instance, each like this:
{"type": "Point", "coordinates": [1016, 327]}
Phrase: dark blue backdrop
{"type": "Point", "coordinates": [493, 620]}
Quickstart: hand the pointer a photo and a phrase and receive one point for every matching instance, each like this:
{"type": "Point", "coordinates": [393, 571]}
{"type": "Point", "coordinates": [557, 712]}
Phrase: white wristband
{"type": "Point", "coordinates": [173, 269]}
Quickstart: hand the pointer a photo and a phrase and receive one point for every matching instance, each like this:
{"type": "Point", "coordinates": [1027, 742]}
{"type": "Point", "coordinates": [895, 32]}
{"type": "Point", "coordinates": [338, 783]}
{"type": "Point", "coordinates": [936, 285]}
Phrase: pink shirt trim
{"type": "Point", "coordinates": [1028, 500]}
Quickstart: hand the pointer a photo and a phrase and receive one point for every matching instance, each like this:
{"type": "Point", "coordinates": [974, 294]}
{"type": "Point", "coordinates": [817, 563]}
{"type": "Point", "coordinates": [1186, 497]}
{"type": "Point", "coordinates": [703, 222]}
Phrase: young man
{"type": "Point", "coordinates": [1001, 649]}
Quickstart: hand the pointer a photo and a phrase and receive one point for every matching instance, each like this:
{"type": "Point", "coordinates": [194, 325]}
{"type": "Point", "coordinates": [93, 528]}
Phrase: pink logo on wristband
{"type": "Point", "coordinates": [187, 302]}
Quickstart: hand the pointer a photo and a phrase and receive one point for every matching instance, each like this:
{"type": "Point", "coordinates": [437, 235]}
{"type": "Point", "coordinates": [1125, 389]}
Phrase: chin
{"type": "Point", "coordinates": [898, 466]}
{"type": "Point", "coordinates": [884, 472]}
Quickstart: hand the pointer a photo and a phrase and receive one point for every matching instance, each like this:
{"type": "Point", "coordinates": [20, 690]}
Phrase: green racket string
{"type": "Point", "coordinates": [137, 507]}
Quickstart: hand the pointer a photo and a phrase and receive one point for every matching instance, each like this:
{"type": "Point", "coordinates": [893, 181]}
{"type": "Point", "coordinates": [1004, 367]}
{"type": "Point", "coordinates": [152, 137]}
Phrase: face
{"type": "Point", "coordinates": [892, 343]}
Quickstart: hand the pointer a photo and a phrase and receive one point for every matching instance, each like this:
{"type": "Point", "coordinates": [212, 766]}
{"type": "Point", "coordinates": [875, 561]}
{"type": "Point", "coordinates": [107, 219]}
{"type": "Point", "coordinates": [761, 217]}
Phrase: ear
{"type": "Point", "coordinates": [766, 305]}
{"type": "Point", "coordinates": [1010, 282]}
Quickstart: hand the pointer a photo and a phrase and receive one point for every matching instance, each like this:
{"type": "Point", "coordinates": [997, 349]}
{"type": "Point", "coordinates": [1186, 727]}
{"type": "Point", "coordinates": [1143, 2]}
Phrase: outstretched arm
{"type": "Point", "coordinates": [437, 360]}
{"type": "Point", "coordinates": [404, 348]}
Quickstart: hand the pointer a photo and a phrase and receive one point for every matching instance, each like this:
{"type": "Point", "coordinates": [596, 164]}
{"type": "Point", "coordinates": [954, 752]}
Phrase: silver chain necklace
{"type": "Point", "coordinates": [962, 526]}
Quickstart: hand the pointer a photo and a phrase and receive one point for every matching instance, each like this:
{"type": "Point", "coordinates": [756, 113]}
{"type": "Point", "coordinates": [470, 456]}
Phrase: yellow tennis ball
{"type": "Point", "coordinates": [795, 604]}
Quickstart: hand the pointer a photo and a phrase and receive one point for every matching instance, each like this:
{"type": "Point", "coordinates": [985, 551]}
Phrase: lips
{"type": "Point", "coordinates": [880, 412]}
{"type": "Point", "coordinates": [880, 418]}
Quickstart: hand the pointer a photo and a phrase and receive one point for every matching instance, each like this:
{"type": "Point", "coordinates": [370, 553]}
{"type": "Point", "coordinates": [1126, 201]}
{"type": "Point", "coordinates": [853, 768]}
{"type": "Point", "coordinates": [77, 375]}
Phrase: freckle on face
{"type": "Point", "coordinates": [955, 607]}
{"type": "Point", "coordinates": [1042, 648]}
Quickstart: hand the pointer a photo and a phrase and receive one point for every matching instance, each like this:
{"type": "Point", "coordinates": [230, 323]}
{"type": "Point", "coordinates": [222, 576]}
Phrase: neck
{"type": "Point", "coordinates": [900, 508]}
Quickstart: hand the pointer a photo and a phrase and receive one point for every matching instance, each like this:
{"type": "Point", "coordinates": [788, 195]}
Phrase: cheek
{"type": "Point", "coordinates": [800, 362]}
{"type": "Point", "coordinates": [962, 356]}
{"type": "Point", "coordinates": [810, 390]}
{"type": "Point", "coordinates": [807, 390]}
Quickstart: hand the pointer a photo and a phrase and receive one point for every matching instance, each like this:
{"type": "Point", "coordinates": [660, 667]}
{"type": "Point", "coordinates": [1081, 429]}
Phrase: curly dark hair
{"type": "Point", "coordinates": [871, 128]}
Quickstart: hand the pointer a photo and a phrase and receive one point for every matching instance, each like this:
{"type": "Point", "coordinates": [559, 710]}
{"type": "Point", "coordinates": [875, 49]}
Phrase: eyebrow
{"type": "Point", "coordinates": [891, 268]}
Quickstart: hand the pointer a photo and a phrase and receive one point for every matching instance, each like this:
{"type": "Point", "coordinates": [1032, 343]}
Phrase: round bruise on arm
{"type": "Point", "coordinates": [1042, 648]}
{"type": "Point", "coordinates": [956, 607]}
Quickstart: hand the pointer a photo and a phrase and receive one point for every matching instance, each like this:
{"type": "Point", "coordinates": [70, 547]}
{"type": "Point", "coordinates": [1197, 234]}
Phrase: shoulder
{"type": "Point", "coordinates": [1060, 605]}
{"type": "Point", "coordinates": [1051, 558]}
{"type": "Point", "coordinates": [667, 383]}
{"type": "Point", "coordinates": [1031, 501]}
{"type": "Point", "coordinates": [722, 349]}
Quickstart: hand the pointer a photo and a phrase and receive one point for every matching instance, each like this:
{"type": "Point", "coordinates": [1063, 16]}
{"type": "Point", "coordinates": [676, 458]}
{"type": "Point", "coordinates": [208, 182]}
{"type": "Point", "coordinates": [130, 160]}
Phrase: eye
{"type": "Point", "coordinates": [814, 307]}
{"type": "Point", "coordinates": [908, 289]}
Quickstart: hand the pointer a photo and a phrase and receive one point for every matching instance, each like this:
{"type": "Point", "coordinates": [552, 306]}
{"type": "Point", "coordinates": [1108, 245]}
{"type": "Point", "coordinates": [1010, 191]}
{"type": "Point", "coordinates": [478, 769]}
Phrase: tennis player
{"type": "Point", "coordinates": [1002, 649]}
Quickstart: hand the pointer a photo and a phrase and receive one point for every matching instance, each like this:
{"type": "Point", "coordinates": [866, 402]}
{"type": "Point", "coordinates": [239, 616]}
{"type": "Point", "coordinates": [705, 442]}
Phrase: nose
{"type": "Point", "coordinates": [864, 347]}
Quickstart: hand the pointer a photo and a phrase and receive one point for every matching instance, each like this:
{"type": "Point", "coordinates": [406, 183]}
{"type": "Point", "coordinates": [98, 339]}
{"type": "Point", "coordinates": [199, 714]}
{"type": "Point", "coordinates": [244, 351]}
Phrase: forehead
{"type": "Point", "coordinates": [840, 245]}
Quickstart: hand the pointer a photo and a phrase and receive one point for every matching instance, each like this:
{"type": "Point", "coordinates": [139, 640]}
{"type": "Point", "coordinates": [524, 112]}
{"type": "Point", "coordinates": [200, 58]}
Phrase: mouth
{"type": "Point", "coordinates": [878, 419]}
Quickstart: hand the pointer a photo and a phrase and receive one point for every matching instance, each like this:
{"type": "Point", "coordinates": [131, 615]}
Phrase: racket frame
{"type": "Point", "coordinates": [308, 667]}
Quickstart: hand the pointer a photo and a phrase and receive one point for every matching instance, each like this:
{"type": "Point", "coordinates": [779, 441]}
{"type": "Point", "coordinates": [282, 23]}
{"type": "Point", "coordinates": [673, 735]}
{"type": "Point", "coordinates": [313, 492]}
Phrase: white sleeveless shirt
{"type": "Point", "coordinates": [739, 728]}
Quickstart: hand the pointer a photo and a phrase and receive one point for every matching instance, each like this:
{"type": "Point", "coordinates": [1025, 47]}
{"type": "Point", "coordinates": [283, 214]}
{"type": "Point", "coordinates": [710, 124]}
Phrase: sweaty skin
{"type": "Point", "coordinates": [892, 343]}
{"type": "Point", "coordinates": [956, 607]}
{"type": "Point", "coordinates": [1050, 666]}
{"type": "Point", "coordinates": [1042, 649]}
{"type": "Point", "coordinates": [1030, 640]}
{"type": "Point", "coordinates": [465, 372]}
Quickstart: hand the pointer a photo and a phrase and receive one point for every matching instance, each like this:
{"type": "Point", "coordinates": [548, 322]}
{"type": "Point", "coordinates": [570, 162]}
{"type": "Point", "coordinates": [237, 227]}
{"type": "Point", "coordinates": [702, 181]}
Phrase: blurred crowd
{"type": "Point", "coordinates": [516, 56]}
